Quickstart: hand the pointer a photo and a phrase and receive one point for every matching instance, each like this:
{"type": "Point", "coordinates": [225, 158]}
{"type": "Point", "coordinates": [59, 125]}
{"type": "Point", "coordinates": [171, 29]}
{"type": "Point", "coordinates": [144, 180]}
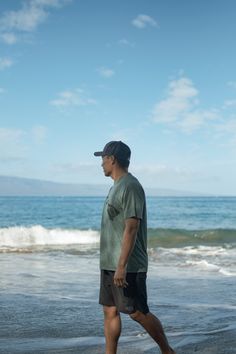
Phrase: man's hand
{"type": "Point", "coordinates": [120, 277]}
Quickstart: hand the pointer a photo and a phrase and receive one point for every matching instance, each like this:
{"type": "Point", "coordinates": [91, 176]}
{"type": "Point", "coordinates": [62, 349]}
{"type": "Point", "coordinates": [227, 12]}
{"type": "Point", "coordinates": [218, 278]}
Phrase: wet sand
{"type": "Point", "coordinates": [218, 343]}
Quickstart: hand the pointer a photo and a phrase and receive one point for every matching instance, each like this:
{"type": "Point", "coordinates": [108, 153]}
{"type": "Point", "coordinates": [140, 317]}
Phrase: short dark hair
{"type": "Point", "coordinates": [123, 163]}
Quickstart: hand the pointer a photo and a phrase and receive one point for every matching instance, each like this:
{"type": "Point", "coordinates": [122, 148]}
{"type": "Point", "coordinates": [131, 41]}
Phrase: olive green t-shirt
{"type": "Point", "coordinates": [126, 199]}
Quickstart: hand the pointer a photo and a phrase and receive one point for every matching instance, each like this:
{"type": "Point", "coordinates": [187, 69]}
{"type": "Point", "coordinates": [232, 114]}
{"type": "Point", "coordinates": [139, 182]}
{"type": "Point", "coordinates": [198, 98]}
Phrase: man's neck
{"type": "Point", "coordinates": [118, 173]}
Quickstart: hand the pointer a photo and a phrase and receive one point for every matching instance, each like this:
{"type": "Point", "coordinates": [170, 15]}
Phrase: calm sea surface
{"type": "Point", "coordinates": [85, 212]}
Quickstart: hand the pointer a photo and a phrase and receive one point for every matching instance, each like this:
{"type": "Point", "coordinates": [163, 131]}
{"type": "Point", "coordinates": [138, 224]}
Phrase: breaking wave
{"type": "Point", "coordinates": [179, 242]}
{"type": "Point", "coordinates": [210, 251]}
{"type": "Point", "coordinates": [181, 237]}
{"type": "Point", "coordinates": [21, 238]}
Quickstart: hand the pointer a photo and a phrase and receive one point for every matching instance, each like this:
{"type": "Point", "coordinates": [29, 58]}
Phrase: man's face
{"type": "Point", "coordinates": [107, 165]}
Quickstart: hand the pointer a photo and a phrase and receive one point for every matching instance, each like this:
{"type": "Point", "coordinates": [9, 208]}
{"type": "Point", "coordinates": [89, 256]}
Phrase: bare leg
{"type": "Point", "coordinates": [154, 328]}
{"type": "Point", "coordinates": [112, 328]}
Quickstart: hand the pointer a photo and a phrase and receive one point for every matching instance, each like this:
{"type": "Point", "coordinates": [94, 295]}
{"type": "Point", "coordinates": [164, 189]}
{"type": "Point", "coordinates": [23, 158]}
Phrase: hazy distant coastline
{"type": "Point", "coordinates": [17, 186]}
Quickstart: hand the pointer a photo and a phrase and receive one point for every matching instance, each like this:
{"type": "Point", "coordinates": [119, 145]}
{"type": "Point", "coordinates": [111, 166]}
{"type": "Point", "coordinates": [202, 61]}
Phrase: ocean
{"type": "Point", "coordinates": [49, 273]}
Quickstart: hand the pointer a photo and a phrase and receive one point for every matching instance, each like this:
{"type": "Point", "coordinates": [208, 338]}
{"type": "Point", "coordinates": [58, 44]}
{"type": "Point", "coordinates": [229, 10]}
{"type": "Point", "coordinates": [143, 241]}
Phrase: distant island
{"type": "Point", "coordinates": [17, 186]}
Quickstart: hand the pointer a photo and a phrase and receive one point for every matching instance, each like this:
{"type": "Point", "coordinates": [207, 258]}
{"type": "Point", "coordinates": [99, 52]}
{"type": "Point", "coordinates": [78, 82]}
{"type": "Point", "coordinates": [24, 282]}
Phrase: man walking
{"type": "Point", "coordinates": [123, 251]}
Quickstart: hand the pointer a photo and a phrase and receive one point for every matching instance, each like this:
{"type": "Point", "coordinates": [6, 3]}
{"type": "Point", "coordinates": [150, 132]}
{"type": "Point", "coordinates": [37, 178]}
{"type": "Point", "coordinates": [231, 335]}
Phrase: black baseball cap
{"type": "Point", "coordinates": [115, 148]}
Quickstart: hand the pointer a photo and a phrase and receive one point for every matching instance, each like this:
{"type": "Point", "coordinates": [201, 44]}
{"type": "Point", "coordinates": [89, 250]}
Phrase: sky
{"type": "Point", "coordinates": [159, 75]}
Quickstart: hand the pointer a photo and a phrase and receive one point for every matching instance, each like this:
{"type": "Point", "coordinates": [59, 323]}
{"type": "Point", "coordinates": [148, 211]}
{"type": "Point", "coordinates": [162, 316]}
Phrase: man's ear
{"type": "Point", "coordinates": [113, 159]}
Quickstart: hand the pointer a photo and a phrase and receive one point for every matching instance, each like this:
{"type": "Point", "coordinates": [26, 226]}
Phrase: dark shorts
{"type": "Point", "coordinates": [126, 300]}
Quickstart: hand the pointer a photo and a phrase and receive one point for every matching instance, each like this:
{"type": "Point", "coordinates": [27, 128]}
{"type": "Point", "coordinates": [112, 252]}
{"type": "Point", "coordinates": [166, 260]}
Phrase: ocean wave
{"type": "Point", "coordinates": [204, 265]}
{"type": "Point", "coordinates": [216, 258]}
{"type": "Point", "coordinates": [207, 266]}
{"type": "Point", "coordinates": [203, 259]}
{"type": "Point", "coordinates": [182, 237]}
{"type": "Point", "coordinates": [207, 251]}
{"type": "Point", "coordinates": [169, 242]}
{"type": "Point", "coordinates": [21, 238]}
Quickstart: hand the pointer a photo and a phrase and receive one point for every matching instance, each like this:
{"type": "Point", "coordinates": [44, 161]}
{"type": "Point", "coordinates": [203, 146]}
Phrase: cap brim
{"type": "Point", "coordinates": [98, 153]}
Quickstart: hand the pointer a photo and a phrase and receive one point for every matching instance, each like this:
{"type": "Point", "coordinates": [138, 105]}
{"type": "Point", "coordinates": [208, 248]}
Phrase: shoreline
{"type": "Point", "coordinates": [222, 342]}
{"type": "Point", "coordinates": [219, 343]}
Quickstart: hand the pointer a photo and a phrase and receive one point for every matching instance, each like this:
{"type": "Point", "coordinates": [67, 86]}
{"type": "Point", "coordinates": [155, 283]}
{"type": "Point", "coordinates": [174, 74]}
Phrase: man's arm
{"type": "Point", "coordinates": [128, 242]}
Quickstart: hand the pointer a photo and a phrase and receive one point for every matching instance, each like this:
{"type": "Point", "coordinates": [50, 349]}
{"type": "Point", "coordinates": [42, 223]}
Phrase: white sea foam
{"type": "Point", "coordinates": [204, 259]}
{"type": "Point", "coordinates": [206, 266]}
{"type": "Point", "coordinates": [227, 272]}
{"type": "Point", "coordinates": [22, 237]}
{"type": "Point", "coordinates": [199, 250]}
{"type": "Point", "coordinates": [193, 253]}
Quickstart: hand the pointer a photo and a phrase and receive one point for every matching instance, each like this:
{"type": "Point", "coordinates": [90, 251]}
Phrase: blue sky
{"type": "Point", "coordinates": [158, 74]}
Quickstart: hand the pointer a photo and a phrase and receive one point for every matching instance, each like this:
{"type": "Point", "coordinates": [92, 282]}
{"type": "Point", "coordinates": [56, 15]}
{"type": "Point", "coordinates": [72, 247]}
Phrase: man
{"type": "Point", "coordinates": [123, 251]}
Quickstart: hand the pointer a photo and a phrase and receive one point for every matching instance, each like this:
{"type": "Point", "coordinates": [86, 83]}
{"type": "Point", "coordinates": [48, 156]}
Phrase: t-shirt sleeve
{"type": "Point", "coordinates": [133, 202]}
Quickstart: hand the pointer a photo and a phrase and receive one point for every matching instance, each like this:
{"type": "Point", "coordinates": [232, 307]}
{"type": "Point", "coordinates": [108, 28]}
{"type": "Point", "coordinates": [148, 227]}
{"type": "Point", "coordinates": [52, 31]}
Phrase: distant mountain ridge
{"type": "Point", "coordinates": [17, 186]}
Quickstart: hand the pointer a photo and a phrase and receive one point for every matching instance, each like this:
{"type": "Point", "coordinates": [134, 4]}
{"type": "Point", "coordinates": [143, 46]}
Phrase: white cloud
{"type": "Point", "coordinates": [50, 3]}
{"type": "Point", "coordinates": [232, 84]}
{"type": "Point", "coordinates": [152, 169]}
{"type": "Point", "coordinates": [39, 133]}
{"type": "Point", "coordinates": [228, 126]}
{"type": "Point", "coordinates": [142, 21]}
{"type": "Point", "coordinates": [79, 172]}
{"type": "Point", "coordinates": [5, 63]}
{"type": "Point", "coordinates": [75, 168]}
{"type": "Point", "coordinates": [11, 144]}
{"type": "Point", "coordinates": [15, 144]}
{"type": "Point", "coordinates": [162, 175]}
{"type": "Point", "coordinates": [181, 96]}
{"type": "Point", "coordinates": [27, 18]}
{"type": "Point", "coordinates": [106, 72]}
{"type": "Point", "coordinates": [124, 42]}
{"type": "Point", "coordinates": [9, 38]}
{"type": "Point", "coordinates": [230, 103]}
{"type": "Point", "coordinates": [180, 107]}
{"type": "Point", "coordinates": [194, 120]}
{"type": "Point", "coordinates": [10, 134]}
{"type": "Point", "coordinates": [75, 97]}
